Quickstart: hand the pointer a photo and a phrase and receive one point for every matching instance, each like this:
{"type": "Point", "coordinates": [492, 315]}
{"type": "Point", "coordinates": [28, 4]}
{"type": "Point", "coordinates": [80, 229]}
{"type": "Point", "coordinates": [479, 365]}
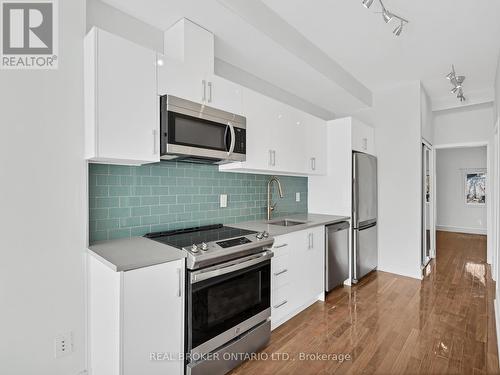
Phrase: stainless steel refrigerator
{"type": "Point", "coordinates": [364, 215]}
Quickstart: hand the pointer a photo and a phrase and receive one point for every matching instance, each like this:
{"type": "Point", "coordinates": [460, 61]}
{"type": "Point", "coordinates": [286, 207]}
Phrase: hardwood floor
{"type": "Point", "coordinates": [391, 324]}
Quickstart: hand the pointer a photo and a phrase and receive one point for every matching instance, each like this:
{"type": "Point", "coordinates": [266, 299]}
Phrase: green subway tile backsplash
{"type": "Point", "coordinates": [131, 201]}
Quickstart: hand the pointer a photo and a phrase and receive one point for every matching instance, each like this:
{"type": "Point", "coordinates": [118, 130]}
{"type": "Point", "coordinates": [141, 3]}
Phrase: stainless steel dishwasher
{"type": "Point", "coordinates": [337, 255]}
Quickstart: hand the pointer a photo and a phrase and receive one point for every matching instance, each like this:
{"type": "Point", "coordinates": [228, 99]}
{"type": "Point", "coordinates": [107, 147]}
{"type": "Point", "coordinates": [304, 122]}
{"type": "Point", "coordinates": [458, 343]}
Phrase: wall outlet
{"type": "Point", "coordinates": [223, 200]}
{"type": "Point", "coordinates": [297, 197]}
{"type": "Point", "coordinates": [63, 344]}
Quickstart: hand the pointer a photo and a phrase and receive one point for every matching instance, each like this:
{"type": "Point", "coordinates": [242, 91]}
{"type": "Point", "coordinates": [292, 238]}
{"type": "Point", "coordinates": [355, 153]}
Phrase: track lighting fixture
{"type": "Point", "coordinates": [367, 3]}
{"type": "Point", "coordinates": [457, 82]}
{"type": "Point", "coordinates": [388, 16]}
{"type": "Point", "coordinates": [398, 30]}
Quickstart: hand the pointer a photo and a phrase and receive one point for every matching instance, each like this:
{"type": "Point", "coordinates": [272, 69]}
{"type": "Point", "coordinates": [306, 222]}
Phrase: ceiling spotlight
{"type": "Point", "coordinates": [398, 30]}
{"type": "Point", "coordinates": [388, 16]}
{"type": "Point", "coordinates": [367, 3]}
{"type": "Point", "coordinates": [457, 83]}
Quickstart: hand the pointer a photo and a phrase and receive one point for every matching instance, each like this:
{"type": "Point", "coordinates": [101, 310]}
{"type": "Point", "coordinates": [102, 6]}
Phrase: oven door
{"type": "Point", "coordinates": [227, 300]}
{"type": "Point", "coordinates": [189, 129]}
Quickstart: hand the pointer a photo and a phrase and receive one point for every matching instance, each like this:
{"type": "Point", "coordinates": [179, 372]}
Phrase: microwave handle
{"type": "Point", "coordinates": [233, 138]}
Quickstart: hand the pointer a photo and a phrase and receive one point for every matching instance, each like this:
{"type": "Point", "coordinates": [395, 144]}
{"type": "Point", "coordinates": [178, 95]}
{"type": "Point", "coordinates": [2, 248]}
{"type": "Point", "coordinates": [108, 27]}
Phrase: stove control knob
{"type": "Point", "coordinates": [259, 236]}
{"type": "Point", "coordinates": [204, 246]}
{"type": "Point", "coordinates": [265, 234]}
{"type": "Point", "coordinates": [194, 248]}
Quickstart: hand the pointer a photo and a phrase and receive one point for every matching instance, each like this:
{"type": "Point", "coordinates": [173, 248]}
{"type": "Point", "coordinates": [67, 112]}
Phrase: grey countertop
{"type": "Point", "coordinates": [310, 220]}
{"type": "Point", "coordinates": [136, 252]}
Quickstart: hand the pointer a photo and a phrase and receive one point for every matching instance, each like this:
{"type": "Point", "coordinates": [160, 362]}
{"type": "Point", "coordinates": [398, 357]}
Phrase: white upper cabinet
{"type": "Point", "coordinates": [121, 103]}
{"type": "Point", "coordinates": [280, 139]}
{"type": "Point", "coordinates": [224, 94]}
{"type": "Point", "coordinates": [187, 69]}
{"type": "Point", "coordinates": [177, 79]}
{"type": "Point", "coordinates": [315, 138]}
{"type": "Point", "coordinates": [331, 193]}
{"type": "Point", "coordinates": [363, 137]}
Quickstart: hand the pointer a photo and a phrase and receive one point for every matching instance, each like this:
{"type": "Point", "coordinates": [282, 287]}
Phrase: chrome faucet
{"type": "Point", "coordinates": [270, 205]}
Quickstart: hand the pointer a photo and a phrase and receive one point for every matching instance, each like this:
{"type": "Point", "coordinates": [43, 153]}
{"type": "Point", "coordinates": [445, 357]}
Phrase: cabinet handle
{"type": "Point", "coordinates": [280, 246]}
{"type": "Point", "coordinates": [155, 141]}
{"type": "Point", "coordinates": [179, 275]}
{"type": "Point", "coordinates": [274, 158]}
{"type": "Point", "coordinates": [271, 158]}
{"type": "Point", "coordinates": [365, 144]}
{"type": "Point", "coordinates": [280, 304]}
{"type": "Point", "coordinates": [281, 272]}
{"type": "Point", "coordinates": [210, 92]}
{"type": "Point", "coordinates": [313, 164]}
{"type": "Point", "coordinates": [311, 241]}
{"type": "Point", "coordinates": [204, 84]}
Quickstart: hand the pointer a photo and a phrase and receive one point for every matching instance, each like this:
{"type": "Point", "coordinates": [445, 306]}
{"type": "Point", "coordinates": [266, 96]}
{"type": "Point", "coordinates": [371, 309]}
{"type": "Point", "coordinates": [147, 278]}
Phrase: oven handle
{"type": "Point", "coordinates": [229, 267]}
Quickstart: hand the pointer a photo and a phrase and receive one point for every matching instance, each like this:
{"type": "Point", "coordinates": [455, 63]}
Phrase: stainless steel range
{"type": "Point", "coordinates": [228, 304]}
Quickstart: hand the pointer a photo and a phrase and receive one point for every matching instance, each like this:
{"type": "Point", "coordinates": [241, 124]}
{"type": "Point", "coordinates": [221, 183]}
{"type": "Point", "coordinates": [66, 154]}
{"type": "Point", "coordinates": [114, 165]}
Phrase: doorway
{"type": "Point", "coordinates": [462, 191]}
{"type": "Point", "coordinates": [427, 207]}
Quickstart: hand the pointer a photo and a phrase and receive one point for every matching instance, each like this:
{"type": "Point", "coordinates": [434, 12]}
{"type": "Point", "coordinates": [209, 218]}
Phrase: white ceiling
{"type": "Point", "coordinates": [463, 32]}
{"type": "Point", "coordinates": [440, 33]}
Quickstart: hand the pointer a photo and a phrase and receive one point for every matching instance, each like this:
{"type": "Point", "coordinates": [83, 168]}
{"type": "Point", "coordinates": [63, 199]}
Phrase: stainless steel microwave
{"type": "Point", "coordinates": [194, 132]}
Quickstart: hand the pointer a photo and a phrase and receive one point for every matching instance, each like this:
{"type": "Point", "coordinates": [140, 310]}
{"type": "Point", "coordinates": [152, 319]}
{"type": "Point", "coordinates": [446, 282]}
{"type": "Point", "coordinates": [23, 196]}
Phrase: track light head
{"type": "Point", "coordinates": [367, 3]}
{"type": "Point", "coordinates": [457, 82]}
{"type": "Point", "coordinates": [387, 16]}
{"type": "Point", "coordinates": [398, 30]}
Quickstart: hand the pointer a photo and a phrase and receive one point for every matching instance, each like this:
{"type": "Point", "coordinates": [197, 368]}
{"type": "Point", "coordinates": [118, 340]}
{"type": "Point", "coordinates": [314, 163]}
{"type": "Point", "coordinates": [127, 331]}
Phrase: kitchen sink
{"type": "Point", "coordinates": [286, 222]}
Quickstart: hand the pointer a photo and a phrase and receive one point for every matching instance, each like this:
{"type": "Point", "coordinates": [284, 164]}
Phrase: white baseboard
{"type": "Point", "coordinates": [417, 275]}
{"type": "Point", "coordinates": [448, 228]}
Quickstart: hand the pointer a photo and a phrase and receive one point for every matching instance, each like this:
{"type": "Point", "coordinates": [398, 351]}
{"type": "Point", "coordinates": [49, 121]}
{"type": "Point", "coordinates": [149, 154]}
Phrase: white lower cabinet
{"type": "Point", "coordinates": [297, 273]}
{"type": "Point", "coordinates": [136, 317]}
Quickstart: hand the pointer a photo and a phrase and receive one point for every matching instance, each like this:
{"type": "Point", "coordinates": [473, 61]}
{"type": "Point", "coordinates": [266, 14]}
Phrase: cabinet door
{"type": "Point", "coordinates": [310, 265]}
{"type": "Point", "coordinates": [224, 94]}
{"type": "Point", "coordinates": [289, 141]}
{"type": "Point", "coordinates": [153, 318]}
{"type": "Point", "coordinates": [363, 137]}
{"type": "Point", "coordinates": [259, 115]}
{"type": "Point", "coordinates": [178, 79]}
{"type": "Point", "coordinates": [315, 138]}
{"type": "Point", "coordinates": [126, 103]}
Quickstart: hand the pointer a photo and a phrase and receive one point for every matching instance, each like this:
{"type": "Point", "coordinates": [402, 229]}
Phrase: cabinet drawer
{"type": "Point", "coordinates": [281, 247]}
{"type": "Point", "coordinates": [281, 302]}
{"type": "Point", "coordinates": [280, 272]}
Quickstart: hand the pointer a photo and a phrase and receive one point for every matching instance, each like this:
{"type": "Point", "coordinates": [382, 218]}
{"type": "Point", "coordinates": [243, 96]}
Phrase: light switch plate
{"type": "Point", "coordinates": [297, 197]}
{"type": "Point", "coordinates": [223, 200]}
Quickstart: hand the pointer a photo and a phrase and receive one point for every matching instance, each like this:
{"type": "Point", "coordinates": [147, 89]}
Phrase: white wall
{"type": "Point", "coordinates": [398, 144]}
{"type": "Point", "coordinates": [464, 124]}
{"type": "Point", "coordinates": [452, 212]}
{"type": "Point", "coordinates": [43, 214]}
{"type": "Point", "coordinates": [426, 115]}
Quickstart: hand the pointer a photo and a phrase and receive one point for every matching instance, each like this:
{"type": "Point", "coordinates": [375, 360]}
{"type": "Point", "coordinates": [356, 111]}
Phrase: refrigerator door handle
{"type": "Point", "coordinates": [354, 262]}
{"type": "Point", "coordinates": [354, 193]}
